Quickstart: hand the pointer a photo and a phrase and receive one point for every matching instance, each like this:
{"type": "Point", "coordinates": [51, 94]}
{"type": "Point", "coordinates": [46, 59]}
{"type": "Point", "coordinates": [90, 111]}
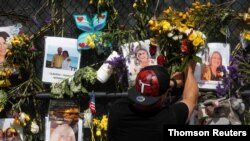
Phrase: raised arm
{"type": "Point", "coordinates": [190, 92]}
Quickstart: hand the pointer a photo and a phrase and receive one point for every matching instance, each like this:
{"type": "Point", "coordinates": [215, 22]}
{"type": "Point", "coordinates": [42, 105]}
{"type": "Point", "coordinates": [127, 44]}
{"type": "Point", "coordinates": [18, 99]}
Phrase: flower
{"type": "Point", "coordinates": [118, 67]}
{"type": "Point", "coordinates": [161, 60]}
{"type": "Point", "coordinates": [181, 34]}
{"type": "Point", "coordinates": [34, 128]}
{"type": "Point", "coordinates": [237, 75]}
{"type": "Point", "coordinates": [178, 41]}
{"type": "Point", "coordinates": [99, 128]}
{"type": "Point", "coordinates": [245, 39]}
{"type": "Point", "coordinates": [24, 118]}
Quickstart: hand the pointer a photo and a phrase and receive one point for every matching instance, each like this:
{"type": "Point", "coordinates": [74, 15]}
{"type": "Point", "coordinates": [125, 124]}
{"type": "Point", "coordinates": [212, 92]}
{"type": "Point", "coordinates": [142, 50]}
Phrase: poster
{"type": "Point", "coordinates": [61, 59]}
{"type": "Point", "coordinates": [138, 56]}
{"type": "Point", "coordinates": [208, 73]}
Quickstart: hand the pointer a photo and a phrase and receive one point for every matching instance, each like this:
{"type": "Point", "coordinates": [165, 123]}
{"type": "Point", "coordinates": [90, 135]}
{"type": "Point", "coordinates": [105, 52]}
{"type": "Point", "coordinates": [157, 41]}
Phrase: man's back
{"type": "Point", "coordinates": [126, 120]}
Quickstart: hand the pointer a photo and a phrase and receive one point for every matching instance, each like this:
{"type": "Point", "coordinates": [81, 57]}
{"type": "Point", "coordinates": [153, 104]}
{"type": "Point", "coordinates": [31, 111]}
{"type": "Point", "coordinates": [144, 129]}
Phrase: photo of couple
{"type": "Point", "coordinates": [61, 60]}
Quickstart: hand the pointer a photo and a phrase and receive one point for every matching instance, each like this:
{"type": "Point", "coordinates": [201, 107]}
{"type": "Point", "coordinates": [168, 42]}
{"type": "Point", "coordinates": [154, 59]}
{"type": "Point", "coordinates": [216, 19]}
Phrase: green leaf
{"type": "Point", "coordinates": [75, 88]}
{"type": "Point", "coordinates": [223, 31]}
{"type": "Point", "coordinates": [197, 59]}
{"type": "Point", "coordinates": [84, 90]}
{"type": "Point", "coordinates": [184, 63]}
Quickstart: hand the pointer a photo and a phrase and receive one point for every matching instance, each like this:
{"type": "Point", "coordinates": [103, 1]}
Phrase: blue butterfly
{"type": "Point", "coordinates": [91, 38]}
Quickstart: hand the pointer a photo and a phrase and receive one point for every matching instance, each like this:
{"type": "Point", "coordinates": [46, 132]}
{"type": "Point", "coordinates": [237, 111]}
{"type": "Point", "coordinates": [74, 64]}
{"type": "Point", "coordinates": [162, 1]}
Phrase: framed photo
{"type": "Point", "coordinates": [63, 130]}
{"type": "Point", "coordinates": [6, 125]}
{"type": "Point", "coordinates": [61, 59]}
{"type": "Point", "coordinates": [138, 56]}
{"type": "Point", "coordinates": [209, 73]}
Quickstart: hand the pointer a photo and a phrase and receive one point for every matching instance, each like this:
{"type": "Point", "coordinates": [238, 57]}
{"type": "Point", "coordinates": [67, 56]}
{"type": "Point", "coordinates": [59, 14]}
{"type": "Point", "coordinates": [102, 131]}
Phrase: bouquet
{"type": "Point", "coordinates": [177, 40]}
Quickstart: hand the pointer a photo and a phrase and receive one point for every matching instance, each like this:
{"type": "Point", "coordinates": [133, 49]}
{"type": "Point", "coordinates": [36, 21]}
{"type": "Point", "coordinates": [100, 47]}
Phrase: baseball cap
{"type": "Point", "coordinates": [150, 84]}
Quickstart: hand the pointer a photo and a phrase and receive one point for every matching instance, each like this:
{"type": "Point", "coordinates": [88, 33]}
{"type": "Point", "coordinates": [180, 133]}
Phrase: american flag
{"type": "Point", "coordinates": [92, 103]}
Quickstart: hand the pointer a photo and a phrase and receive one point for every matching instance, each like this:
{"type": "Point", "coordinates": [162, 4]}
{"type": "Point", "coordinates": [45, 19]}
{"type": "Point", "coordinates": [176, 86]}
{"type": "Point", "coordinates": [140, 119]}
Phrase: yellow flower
{"type": "Point", "coordinates": [92, 44]}
{"type": "Point", "coordinates": [180, 14]}
{"type": "Point", "coordinates": [167, 11]}
{"type": "Point", "coordinates": [95, 121]}
{"type": "Point", "coordinates": [184, 16]}
{"type": "Point", "coordinates": [12, 130]}
{"type": "Point", "coordinates": [165, 25]}
{"type": "Point", "coordinates": [196, 42]}
{"type": "Point", "coordinates": [17, 122]}
{"type": "Point", "coordinates": [5, 83]}
{"type": "Point", "coordinates": [15, 42]}
{"type": "Point", "coordinates": [100, 2]}
{"type": "Point", "coordinates": [182, 27]}
{"type": "Point", "coordinates": [98, 132]}
{"type": "Point", "coordinates": [104, 122]}
{"type": "Point", "coordinates": [27, 117]}
{"type": "Point", "coordinates": [23, 117]}
{"type": "Point", "coordinates": [192, 36]}
{"type": "Point", "coordinates": [246, 35]}
{"type": "Point", "coordinates": [153, 42]}
{"type": "Point", "coordinates": [151, 22]}
{"type": "Point", "coordinates": [134, 5]}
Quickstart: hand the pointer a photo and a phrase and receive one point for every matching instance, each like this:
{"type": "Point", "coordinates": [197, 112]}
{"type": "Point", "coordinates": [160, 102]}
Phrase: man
{"type": "Point", "coordinates": [57, 59]}
{"type": "Point", "coordinates": [144, 113]}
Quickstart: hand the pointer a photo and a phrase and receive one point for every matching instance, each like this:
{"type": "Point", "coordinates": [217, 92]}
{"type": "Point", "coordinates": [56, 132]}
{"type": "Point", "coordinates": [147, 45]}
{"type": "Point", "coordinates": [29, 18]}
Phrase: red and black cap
{"type": "Point", "coordinates": [151, 83]}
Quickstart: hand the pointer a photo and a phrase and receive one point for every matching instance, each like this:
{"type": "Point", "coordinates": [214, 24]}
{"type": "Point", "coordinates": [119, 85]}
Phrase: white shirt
{"type": "Point", "coordinates": [66, 64]}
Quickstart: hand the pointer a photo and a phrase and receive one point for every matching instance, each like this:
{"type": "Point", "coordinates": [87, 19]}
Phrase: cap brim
{"type": "Point", "coordinates": [136, 97]}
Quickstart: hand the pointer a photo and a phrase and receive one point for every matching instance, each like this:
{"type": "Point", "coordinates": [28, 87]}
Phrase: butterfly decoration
{"type": "Point", "coordinates": [91, 38]}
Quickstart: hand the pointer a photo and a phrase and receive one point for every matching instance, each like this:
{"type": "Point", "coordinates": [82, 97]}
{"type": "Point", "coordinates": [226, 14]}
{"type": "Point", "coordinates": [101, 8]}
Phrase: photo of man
{"type": "Point", "coordinates": [57, 59]}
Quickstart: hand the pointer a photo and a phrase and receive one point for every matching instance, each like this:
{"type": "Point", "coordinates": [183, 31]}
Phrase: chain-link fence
{"type": "Point", "coordinates": [54, 17]}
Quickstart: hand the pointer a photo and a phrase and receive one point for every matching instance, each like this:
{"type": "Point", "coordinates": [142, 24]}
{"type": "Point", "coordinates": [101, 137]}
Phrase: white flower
{"type": "Point", "coordinates": [34, 128]}
{"type": "Point", "coordinates": [188, 31]}
{"type": "Point", "coordinates": [180, 37]}
{"type": "Point", "coordinates": [170, 34]}
{"type": "Point", "coordinates": [22, 117]}
{"type": "Point", "coordinates": [175, 38]}
{"type": "Point", "coordinates": [8, 42]}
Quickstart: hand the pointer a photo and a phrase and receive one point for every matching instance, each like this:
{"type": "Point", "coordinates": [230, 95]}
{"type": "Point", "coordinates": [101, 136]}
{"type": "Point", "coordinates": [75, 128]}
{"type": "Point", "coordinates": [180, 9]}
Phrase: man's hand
{"type": "Point", "coordinates": [178, 77]}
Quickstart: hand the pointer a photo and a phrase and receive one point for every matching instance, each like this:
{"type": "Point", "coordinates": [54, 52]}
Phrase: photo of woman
{"type": "Point", "coordinates": [11, 135]}
{"type": "Point", "coordinates": [212, 70]}
{"type": "Point", "coordinates": [209, 72]}
{"type": "Point", "coordinates": [136, 61]}
{"type": "Point", "coordinates": [143, 58]}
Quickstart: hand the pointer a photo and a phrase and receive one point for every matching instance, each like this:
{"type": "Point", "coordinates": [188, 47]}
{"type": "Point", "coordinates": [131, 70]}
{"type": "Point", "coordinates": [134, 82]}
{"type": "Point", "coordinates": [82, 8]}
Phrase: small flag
{"type": "Point", "coordinates": [92, 103]}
